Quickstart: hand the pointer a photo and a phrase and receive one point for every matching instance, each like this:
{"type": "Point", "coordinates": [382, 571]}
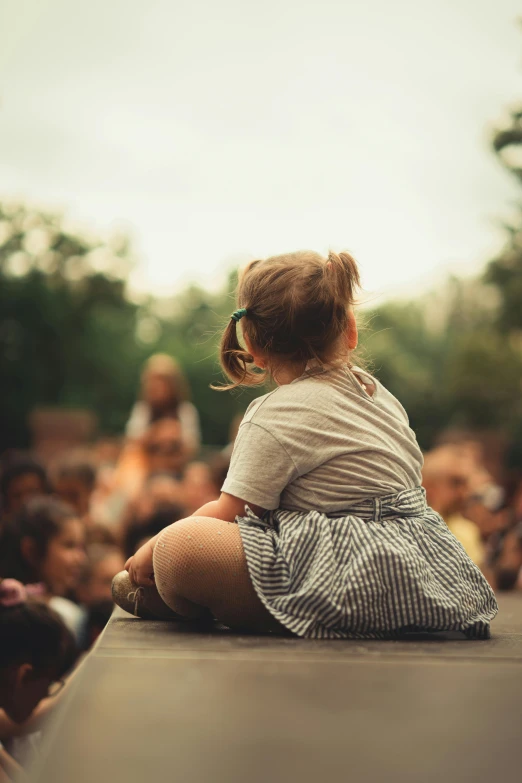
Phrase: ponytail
{"type": "Point", "coordinates": [236, 361]}
{"type": "Point", "coordinates": [342, 271]}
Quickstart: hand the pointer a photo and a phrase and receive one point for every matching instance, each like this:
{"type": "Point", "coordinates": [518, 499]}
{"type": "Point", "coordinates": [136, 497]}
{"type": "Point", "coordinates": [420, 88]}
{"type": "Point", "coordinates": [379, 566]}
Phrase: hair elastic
{"type": "Point", "coordinates": [238, 315]}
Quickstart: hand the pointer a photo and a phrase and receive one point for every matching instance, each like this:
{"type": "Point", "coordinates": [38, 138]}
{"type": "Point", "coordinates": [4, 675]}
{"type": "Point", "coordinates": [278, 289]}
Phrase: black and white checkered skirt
{"type": "Point", "coordinates": [387, 566]}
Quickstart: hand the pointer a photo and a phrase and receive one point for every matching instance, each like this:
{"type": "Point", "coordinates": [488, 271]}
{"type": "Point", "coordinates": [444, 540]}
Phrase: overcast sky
{"type": "Point", "coordinates": [217, 131]}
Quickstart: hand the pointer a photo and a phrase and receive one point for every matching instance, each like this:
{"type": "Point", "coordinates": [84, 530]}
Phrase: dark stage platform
{"type": "Point", "coordinates": [158, 703]}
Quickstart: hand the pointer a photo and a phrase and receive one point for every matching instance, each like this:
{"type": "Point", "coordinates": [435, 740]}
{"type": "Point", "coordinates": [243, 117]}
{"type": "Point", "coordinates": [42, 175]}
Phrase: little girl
{"type": "Point", "coordinates": [45, 543]}
{"type": "Point", "coordinates": [36, 651]}
{"type": "Point", "coordinates": [322, 527]}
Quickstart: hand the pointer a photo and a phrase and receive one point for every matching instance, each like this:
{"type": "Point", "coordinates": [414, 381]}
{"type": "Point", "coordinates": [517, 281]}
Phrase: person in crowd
{"type": "Point", "coordinates": [161, 451]}
{"type": "Point", "coordinates": [165, 450]}
{"type": "Point", "coordinates": [21, 478]}
{"type": "Point", "coordinates": [102, 564]}
{"type": "Point", "coordinates": [74, 480]}
{"type": "Point", "coordinates": [47, 545]}
{"type": "Point", "coordinates": [447, 478]}
{"type": "Point", "coordinates": [505, 558]}
{"type": "Point", "coordinates": [504, 552]}
{"type": "Point", "coordinates": [165, 394]}
{"type": "Point", "coordinates": [488, 510]}
{"type": "Point", "coordinates": [160, 491]}
{"type": "Point", "coordinates": [37, 650]}
{"type": "Point", "coordinates": [323, 498]}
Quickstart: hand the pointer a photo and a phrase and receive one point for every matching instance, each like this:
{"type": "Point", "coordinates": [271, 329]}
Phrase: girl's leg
{"type": "Point", "coordinates": [200, 564]}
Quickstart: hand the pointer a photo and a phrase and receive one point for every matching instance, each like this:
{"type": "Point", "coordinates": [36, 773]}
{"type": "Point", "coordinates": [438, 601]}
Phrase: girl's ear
{"type": "Point", "coordinates": [28, 550]}
{"type": "Point", "coordinates": [257, 356]}
{"type": "Point", "coordinates": [352, 335]}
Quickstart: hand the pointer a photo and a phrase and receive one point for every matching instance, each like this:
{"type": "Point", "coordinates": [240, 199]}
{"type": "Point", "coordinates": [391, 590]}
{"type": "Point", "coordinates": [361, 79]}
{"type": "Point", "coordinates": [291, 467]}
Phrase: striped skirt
{"type": "Point", "coordinates": [385, 567]}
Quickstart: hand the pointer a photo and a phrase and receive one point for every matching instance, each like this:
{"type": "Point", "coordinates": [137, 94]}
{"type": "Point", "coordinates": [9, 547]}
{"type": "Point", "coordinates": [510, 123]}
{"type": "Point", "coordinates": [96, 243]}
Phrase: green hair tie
{"type": "Point", "coordinates": [238, 315]}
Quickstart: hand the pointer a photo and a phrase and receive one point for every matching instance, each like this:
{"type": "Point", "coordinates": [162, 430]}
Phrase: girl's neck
{"type": "Point", "coordinates": [285, 374]}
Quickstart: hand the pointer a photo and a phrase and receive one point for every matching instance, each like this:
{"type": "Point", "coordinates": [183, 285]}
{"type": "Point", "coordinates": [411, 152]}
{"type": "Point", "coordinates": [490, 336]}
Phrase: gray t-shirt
{"type": "Point", "coordinates": [324, 443]}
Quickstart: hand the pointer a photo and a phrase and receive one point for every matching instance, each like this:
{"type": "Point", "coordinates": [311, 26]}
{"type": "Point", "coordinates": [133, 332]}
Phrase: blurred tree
{"type": "Point", "coordinates": [505, 271]}
{"type": "Point", "coordinates": [71, 337]}
{"type": "Point", "coordinates": [66, 326]}
{"type": "Point", "coordinates": [446, 359]}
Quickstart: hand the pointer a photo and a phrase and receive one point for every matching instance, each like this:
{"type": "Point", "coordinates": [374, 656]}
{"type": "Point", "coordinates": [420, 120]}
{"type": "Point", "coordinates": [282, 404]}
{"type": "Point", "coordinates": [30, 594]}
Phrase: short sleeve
{"type": "Point", "coordinates": [260, 468]}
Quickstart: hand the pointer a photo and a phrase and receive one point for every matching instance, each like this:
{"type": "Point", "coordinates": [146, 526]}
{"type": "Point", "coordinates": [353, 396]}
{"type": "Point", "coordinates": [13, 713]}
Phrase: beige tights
{"type": "Point", "coordinates": [200, 566]}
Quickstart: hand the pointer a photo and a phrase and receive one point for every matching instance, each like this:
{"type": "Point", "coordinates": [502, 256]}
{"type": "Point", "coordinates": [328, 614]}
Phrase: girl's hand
{"type": "Point", "coordinates": [140, 565]}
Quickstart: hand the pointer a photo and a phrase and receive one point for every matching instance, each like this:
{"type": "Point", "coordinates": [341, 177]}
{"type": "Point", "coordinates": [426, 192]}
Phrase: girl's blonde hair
{"type": "Point", "coordinates": [297, 308]}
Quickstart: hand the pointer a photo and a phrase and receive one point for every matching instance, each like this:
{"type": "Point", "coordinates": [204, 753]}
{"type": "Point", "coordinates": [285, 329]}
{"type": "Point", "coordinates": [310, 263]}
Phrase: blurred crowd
{"type": "Point", "coordinates": [69, 525]}
{"type": "Point", "coordinates": [483, 512]}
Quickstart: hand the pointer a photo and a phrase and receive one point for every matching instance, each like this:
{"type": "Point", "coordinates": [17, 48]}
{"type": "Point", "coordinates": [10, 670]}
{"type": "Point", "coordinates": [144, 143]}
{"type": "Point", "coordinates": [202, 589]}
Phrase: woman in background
{"type": "Point", "coordinates": [164, 394]}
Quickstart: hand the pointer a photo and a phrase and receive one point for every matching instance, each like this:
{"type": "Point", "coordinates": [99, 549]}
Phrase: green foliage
{"type": "Point", "coordinates": [66, 327]}
{"type": "Point", "coordinates": [505, 271]}
{"type": "Point", "coordinates": [448, 361]}
{"type": "Point", "coordinates": [70, 336]}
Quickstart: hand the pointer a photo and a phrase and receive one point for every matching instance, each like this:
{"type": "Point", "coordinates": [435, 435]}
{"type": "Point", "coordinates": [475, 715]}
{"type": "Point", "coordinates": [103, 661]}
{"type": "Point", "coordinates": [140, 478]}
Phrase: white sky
{"type": "Point", "coordinates": [218, 131]}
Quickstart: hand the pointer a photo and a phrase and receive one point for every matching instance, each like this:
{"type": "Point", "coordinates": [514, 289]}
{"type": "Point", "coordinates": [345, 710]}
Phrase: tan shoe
{"type": "Point", "coordinates": [144, 602]}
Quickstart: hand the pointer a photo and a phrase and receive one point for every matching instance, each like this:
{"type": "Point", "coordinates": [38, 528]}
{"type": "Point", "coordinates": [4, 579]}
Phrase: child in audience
{"type": "Point", "coordinates": [102, 564]}
{"type": "Point", "coordinates": [322, 527]}
{"type": "Point", "coordinates": [36, 651]}
{"type": "Point", "coordinates": [74, 481]}
{"type": "Point", "coordinates": [48, 546]}
{"type": "Point", "coordinates": [21, 478]}
{"type": "Point", "coordinates": [446, 477]}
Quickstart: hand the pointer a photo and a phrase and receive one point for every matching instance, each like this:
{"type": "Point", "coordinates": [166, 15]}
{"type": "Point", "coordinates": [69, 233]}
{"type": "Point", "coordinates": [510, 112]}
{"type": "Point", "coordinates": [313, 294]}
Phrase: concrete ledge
{"type": "Point", "coordinates": [159, 702]}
